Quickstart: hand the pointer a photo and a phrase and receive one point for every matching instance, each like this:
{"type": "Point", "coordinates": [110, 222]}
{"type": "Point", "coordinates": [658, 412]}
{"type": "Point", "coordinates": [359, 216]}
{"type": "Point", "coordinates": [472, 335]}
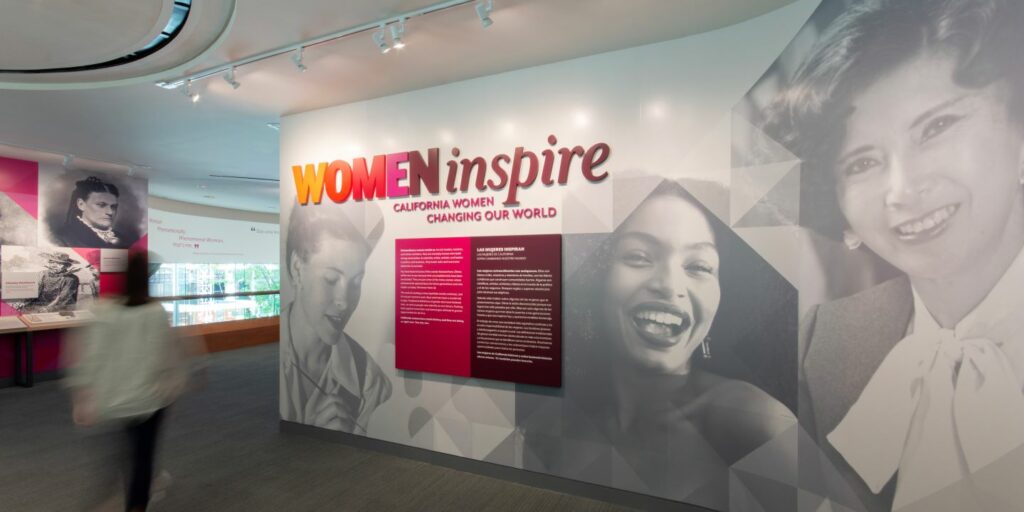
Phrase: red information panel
{"type": "Point", "coordinates": [487, 307]}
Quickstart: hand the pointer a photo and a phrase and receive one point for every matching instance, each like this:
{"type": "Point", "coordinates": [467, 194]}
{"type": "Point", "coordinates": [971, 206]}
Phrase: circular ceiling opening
{"type": "Point", "coordinates": [62, 44]}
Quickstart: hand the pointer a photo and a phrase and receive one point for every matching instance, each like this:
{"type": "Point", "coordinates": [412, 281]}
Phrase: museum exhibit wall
{"type": "Point", "coordinates": [783, 283]}
{"type": "Point", "coordinates": [64, 238]}
{"type": "Point", "coordinates": [189, 233]}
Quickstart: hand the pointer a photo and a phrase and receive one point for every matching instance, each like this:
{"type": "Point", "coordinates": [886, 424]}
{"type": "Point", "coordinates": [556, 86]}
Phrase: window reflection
{"type": "Point", "coordinates": [189, 279]}
{"type": "Point", "coordinates": [226, 309]}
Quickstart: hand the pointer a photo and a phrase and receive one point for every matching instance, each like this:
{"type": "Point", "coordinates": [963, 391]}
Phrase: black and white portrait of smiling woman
{"type": "Point", "coordinates": [908, 116]}
{"type": "Point", "coordinates": [672, 329]}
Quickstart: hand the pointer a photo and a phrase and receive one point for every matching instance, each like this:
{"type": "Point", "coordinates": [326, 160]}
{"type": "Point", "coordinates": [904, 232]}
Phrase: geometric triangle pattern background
{"type": "Point", "coordinates": [581, 214]}
{"type": "Point", "coordinates": [781, 246]}
{"type": "Point", "coordinates": [762, 149]}
{"type": "Point", "coordinates": [760, 493]}
{"type": "Point", "coordinates": [750, 194]}
{"type": "Point", "coordinates": [19, 202]}
{"type": "Point", "coordinates": [629, 192]}
{"type": "Point", "coordinates": [763, 461]}
{"type": "Point", "coordinates": [741, 498]}
{"type": "Point", "coordinates": [779, 206]}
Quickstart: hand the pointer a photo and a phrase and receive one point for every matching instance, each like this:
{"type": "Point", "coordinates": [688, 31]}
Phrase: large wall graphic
{"type": "Point", "coordinates": [790, 255]}
{"type": "Point", "coordinates": [64, 232]}
{"type": "Point", "coordinates": [899, 128]}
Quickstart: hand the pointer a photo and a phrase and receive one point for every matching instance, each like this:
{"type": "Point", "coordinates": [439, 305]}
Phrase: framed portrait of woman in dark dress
{"type": "Point", "coordinates": [94, 210]}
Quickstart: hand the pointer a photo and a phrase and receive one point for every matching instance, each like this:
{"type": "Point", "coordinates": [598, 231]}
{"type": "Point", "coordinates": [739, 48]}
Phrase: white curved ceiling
{"type": "Point", "coordinates": [41, 35]}
{"type": "Point", "coordinates": [226, 132]}
{"type": "Point", "coordinates": [67, 33]}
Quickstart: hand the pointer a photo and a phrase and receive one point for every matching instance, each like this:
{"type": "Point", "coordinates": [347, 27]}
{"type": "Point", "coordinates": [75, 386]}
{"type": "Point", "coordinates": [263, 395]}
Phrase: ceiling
{"type": "Point", "coordinates": [27, 47]}
{"type": "Point", "coordinates": [179, 144]}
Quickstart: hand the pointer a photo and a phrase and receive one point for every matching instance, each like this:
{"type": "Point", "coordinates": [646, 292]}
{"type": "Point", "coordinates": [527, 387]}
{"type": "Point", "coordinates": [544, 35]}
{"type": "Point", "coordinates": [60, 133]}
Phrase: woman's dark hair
{"type": "Point", "coordinates": [310, 224]}
{"type": "Point", "coordinates": [753, 336]}
{"type": "Point", "coordinates": [869, 39]}
{"type": "Point", "coordinates": [136, 279]}
{"type": "Point", "coordinates": [82, 190]}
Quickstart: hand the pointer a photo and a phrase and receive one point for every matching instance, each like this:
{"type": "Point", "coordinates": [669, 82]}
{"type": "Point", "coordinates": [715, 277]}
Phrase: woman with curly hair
{"type": "Point", "coordinates": [91, 216]}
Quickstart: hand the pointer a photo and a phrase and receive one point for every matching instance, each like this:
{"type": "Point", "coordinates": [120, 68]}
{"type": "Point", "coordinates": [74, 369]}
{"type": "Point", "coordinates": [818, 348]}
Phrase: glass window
{"type": "Point", "coordinates": [224, 309]}
{"type": "Point", "coordinates": [176, 279]}
{"type": "Point", "coordinates": [190, 279]}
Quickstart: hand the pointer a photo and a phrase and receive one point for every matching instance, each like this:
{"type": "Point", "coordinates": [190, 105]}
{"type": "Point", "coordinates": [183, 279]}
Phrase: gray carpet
{"type": "Point", "coordinates": [225, 451]}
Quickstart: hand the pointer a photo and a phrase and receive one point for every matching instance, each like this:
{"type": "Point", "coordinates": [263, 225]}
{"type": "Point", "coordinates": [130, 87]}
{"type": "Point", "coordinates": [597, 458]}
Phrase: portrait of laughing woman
{"type": "Point", "coordinates": [653, 313]}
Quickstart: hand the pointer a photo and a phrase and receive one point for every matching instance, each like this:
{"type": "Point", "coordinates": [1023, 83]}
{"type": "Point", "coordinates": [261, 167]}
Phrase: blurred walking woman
{"type": "Point", "coordinates": [130, 368]}
{"type": "Point", "coordinates": [910, 114]}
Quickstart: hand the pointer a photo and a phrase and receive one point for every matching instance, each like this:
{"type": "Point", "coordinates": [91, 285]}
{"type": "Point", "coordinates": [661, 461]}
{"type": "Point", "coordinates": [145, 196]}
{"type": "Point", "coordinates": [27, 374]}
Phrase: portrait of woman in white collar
{"type": "Point", "coordinates": [908, 117]}
{"type": "Point", "coordinates": [328, 378]}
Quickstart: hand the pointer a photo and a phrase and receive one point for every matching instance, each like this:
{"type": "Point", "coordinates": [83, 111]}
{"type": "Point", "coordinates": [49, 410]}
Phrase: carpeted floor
{"type": "Point", "coordinates": [225, 451]}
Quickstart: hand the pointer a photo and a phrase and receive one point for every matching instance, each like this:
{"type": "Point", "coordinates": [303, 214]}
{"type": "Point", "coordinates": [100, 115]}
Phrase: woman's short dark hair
{"type": "Point", "coordinates": [867, 40]}
{"type": "Point", "coordinates": [83, 188]}
{"type": "Point", "coordinates": [310, 224]}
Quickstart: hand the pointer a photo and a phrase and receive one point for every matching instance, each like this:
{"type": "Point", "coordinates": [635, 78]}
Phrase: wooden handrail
{"type": "Point", "coordinates": [220, 336]}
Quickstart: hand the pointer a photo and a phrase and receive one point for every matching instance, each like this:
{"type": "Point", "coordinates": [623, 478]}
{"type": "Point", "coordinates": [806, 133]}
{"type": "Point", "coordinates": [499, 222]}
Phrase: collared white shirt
{"type": "Point", "coordinates": [945, 402]}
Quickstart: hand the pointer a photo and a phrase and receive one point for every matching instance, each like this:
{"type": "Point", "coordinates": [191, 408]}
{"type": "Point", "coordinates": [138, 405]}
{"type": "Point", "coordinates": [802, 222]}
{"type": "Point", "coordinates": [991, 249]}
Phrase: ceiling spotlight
{"type": "Point", "coordinates": [378, 39]}
{"type": "Point", "coordinates": [397, 31]}
{"type": "Point", "coordinates": [483, 11]}
{"type": "Point", "coordinates": [194, 96]}
{"type": "Point", "coordinates": [68, 161]}
{"type": "Point", "coordinates": [229, 77]}
{"type": "Point", "coordinates": [297, 59]}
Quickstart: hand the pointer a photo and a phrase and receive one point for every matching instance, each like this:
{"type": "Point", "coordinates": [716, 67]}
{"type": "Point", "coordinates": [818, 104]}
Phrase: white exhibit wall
{"type": "Point", "coordinates": [212, 235]}
{"type": "Point", "coordinates": [665, 110]}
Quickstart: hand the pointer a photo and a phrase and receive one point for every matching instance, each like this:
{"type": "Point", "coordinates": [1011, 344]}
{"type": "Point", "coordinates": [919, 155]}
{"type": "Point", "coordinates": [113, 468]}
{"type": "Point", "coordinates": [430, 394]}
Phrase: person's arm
{"type": "Point", "coordinates": [84, 360]}
{"type": "Point", "coordinates": [187, 348]}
